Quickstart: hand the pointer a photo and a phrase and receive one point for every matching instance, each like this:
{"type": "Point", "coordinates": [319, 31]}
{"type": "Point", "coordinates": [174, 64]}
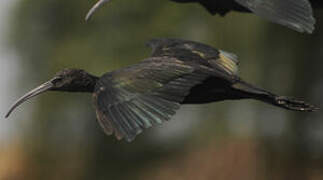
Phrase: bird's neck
{"type": "Point", "coordinates": [88, 84]}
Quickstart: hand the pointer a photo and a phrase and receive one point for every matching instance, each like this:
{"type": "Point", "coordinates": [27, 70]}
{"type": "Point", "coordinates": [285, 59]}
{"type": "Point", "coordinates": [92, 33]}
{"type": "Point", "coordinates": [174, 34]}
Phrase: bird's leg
{"type": "Point", "coordinates": [94, 8]}
{"type": "Point", "coordinates": [249, 91]}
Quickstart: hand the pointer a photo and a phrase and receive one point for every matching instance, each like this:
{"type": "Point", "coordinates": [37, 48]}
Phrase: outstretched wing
{"type": "Point", "coordinates": [295, 14]}
{"type": "Point", "coordinates": [137, 97]}
{"type": "Point", "coordinates": [197, 53]}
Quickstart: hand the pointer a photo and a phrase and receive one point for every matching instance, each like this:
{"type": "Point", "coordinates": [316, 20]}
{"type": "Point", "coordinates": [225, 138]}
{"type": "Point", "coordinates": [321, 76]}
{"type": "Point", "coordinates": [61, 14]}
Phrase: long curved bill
{"type": "Point", "coordinates": [94, 8]}
{"type": "Point", "coordinates": [38, 90]}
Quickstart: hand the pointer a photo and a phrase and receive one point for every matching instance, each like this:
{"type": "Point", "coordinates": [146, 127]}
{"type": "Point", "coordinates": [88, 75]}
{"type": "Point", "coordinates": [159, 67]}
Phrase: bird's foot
{"type": "Point", "coordinates": [294, 104]}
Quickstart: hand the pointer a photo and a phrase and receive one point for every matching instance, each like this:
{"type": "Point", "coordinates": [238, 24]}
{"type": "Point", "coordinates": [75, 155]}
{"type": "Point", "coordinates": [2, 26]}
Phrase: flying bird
{"type": "Point", "coordinates": [295, 14]}
{"type": "Point", "coordinates": [178, 72]}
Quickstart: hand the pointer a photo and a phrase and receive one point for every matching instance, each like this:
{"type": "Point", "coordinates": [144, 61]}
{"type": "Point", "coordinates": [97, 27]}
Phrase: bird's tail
{"type": "Point", "coordinates": [249, 91]}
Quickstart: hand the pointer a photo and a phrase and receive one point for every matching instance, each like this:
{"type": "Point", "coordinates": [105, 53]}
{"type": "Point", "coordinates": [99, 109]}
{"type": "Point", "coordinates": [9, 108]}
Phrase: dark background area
{"type": "Point", "coordinates": [57, 136]}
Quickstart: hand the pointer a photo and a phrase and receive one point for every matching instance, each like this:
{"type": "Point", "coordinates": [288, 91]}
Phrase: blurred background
{"type": "Point", "coordinates": [56, 136]}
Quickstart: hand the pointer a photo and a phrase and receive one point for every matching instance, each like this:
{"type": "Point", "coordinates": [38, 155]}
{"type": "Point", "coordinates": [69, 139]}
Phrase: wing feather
{"type": "Point", "coordinates": [225, 64]}
{"type": "Point", "coordinates": [141, 96]}
{"type": "Point", "coordinates": [295, 14]}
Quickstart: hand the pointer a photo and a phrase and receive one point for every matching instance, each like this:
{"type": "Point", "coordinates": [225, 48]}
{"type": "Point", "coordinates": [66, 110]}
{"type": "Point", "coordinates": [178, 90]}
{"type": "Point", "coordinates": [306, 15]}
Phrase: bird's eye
{"type": "Point", "coordinates": [56, 79]}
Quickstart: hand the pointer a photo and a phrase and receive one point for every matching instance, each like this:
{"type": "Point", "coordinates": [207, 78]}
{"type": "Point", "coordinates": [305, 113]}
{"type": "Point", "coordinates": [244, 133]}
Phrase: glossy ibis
{"type": "Point", "coordinates": [178, 72]}
{"type": "Point", "coordinates": [295, 14]}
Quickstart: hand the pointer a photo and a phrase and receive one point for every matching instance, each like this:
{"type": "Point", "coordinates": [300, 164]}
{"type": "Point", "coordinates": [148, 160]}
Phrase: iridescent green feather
{"type": "Point", "coordinates": [143, 95]}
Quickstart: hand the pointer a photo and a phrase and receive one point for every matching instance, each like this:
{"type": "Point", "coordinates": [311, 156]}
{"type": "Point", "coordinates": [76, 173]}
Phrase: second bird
{"type": "Point", "coordinates": [148, 93]}
{"type": "Point", "coordinates": [295, 14]}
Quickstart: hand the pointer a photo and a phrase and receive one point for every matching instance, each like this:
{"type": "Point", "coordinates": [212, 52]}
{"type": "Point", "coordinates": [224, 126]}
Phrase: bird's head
{"type": "Point", "coordinates": [71, 80]}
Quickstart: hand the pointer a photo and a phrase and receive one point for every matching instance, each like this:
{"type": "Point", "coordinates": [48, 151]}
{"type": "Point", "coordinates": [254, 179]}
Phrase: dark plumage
{"type": "Point", "coordinates": [222, 7]}
{"type": "Point", "coordinates": [295, 14]}
{"type": "Point", "coordinates": [178, 72]}
{"type": "Point", "coordinates": [316, 3]}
